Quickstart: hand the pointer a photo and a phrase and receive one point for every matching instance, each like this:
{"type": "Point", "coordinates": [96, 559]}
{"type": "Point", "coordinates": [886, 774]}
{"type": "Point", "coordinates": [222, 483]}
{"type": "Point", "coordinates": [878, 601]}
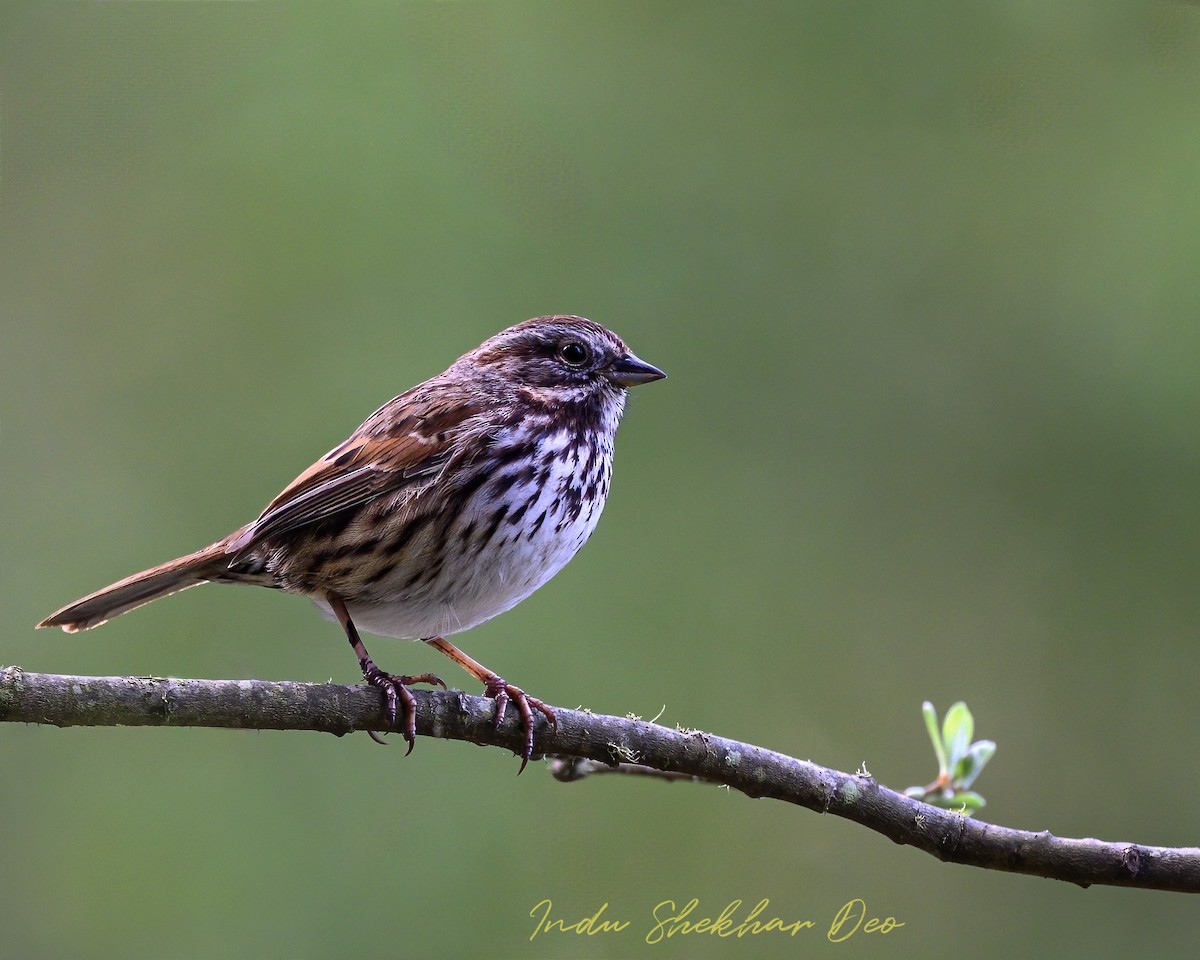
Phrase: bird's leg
{"type": "Point", "coordinates": [395, 688]}
{"type": "Point", "coordinates": [501, 691]}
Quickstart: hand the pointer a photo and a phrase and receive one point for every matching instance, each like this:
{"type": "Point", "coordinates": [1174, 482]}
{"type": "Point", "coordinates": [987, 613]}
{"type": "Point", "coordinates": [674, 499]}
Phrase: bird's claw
{"type": "Point", "coordinates": [399, 701]}
{"type": "Point", "coordinates": [502, 692]}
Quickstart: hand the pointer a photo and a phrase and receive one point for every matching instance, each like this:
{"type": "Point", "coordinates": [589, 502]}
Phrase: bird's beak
{"type": "Point", "coordinates": [629, 371]}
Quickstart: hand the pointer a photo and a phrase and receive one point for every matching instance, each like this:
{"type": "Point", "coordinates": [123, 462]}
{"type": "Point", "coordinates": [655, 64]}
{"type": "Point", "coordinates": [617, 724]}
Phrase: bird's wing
{"type": "Point", "coordinates": [404, 443]}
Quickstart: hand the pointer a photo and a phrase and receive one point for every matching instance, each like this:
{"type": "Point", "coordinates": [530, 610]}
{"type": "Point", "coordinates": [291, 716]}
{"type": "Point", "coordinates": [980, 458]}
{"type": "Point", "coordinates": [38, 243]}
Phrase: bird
{"type": "Point", "coordinates": [447, 506]}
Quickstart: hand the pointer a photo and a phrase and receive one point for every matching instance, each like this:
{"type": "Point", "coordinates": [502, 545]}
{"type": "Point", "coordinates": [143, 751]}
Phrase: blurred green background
{"type": "Point", "coordinates": [924, 278]}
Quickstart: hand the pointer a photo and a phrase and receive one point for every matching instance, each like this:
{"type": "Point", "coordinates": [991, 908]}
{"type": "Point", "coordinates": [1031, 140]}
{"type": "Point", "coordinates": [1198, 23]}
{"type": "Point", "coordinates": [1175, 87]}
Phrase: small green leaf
{"type": "Point", "coordinates": [973, 763]}
{"type": "Point", "coordinates": [965, 802]}
{"type": "Point", "coordinates": [931, 724]}
{"type": "Point", "coordinates": [957, 730]}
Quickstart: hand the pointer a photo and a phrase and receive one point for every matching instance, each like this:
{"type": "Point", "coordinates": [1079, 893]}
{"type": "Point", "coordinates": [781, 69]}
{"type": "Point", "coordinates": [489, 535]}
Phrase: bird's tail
{"type": "Point", "coordinates": [122, 596]}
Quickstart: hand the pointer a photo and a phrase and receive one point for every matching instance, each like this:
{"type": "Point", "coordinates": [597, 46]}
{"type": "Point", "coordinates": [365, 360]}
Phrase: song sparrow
{"type": "Point", "coordinates": [449, 505]}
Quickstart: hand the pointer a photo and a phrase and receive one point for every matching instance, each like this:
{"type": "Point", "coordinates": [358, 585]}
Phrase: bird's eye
{"type": "Point", "coordinates": [573, 353]}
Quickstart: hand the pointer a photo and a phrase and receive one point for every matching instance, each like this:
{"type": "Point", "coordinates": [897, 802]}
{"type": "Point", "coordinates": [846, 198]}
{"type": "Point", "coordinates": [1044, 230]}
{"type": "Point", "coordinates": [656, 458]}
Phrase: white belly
{"type": "Point", "coordinates": [516, 559]}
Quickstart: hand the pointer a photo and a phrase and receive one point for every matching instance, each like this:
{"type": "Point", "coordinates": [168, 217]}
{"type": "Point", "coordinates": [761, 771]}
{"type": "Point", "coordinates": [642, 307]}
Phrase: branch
{"type": "Point", "coordinates": [584, 738]}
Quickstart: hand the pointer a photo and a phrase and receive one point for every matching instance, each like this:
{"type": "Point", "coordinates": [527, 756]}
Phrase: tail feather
{"type": "Point", "coordinates": [124, 595]}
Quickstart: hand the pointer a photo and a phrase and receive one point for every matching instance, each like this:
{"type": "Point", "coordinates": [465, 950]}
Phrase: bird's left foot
{"type": "Point", "coordinates": [502, 692]}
